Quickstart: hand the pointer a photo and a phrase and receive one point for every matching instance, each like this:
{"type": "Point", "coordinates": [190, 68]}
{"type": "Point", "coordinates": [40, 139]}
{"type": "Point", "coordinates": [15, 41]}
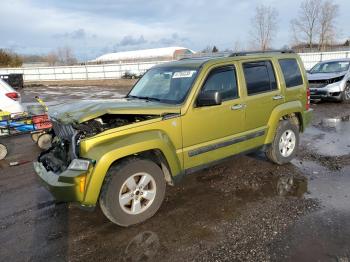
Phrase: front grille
{"type": "Point", "coordinates": [317, 85]}
{"type": "Point", "coordinates": [64, 132]}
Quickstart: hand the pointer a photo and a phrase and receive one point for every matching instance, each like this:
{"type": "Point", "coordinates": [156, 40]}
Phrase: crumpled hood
{"type": "Point", "coordinates": [325, 76]}
{"type": "Point", "coordinates": [78, 112]}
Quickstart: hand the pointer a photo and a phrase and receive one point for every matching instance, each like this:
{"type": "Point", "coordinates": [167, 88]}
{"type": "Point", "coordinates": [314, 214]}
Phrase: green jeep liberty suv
{"type": "Point", "coordinates": [178, 118]}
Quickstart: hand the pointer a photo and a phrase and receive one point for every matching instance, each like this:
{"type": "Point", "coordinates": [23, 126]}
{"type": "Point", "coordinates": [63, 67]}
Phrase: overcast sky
{"type": "Point", "coordinates": [92, 27]}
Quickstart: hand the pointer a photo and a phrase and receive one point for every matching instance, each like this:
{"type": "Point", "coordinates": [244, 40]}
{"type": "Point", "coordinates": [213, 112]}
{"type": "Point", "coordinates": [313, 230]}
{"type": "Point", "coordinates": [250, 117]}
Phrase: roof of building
{"type": "Point", "coordinates": [141, 54]}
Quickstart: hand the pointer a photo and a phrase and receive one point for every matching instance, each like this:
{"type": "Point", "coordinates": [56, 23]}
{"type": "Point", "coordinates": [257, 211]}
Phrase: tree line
{"type": "Point", "coordinates": [60, 56]}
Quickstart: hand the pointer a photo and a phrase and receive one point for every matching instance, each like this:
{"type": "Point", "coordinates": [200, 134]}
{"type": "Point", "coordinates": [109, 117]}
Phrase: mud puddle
{"type": "Point", "coordinates": [330, 137]}
{"type": "Point", "coordinates": [323, 235]}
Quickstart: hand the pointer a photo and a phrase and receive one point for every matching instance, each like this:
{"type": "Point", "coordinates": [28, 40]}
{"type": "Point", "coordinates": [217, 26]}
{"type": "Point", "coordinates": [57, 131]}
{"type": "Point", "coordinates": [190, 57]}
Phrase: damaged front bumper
{"type": "Point", "coordinates": [68, 186]}
{"type": "Point", "coordinates": [329, 92]}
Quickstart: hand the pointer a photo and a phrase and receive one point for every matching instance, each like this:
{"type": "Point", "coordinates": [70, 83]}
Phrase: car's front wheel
{"type": "Point", "coordinates": [132, 192]}
{"type": "Point", "coordinates": [345, 97]}
{"type": "Point", "coordinates": [285, 144]}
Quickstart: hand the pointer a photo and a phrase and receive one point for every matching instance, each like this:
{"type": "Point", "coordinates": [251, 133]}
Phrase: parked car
{"type": "Point", "coordinates": [14, 80]}
{"type": "Point", "coordinates": [180, 117]}
{"type": "Point", "coordinates": [10, 99]}
{"type": "Point", "coordinates": [330, 80]}
{"type": "Point", "coordinates": [131, 75]}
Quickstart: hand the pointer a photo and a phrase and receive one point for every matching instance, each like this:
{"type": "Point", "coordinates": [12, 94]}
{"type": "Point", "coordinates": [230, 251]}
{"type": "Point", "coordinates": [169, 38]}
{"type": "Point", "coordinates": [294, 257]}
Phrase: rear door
{"type": "Point", "coordinates": [263, 93]}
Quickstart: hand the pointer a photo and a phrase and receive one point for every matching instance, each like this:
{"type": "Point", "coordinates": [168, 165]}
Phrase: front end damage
{"type": "Point", "coordinates": [327, 89]}
{"type": "Point", "coordinates": [62, 169]}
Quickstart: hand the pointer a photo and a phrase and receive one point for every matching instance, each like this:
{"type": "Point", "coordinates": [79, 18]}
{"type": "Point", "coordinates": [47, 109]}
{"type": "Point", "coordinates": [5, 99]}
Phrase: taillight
{"type": "Point", "coordinates": [308, 98]}
{"type": "Point", "coordinates": [13, 95]}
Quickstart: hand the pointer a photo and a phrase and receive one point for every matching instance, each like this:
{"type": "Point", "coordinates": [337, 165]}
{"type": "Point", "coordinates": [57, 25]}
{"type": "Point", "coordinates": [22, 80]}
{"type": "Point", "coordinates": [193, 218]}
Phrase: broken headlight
{"type": "Point", "coordinates": [79, 164]}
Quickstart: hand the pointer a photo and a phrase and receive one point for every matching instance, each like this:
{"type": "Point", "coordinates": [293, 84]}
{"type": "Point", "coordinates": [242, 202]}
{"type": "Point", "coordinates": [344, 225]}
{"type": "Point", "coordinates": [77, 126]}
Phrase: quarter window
{"type": "Point", "coordinates": [291, 72]}
{"type": "Point", "coordinates": [259, 76]}
{"type": "Point", "coordinates": [224, 81]}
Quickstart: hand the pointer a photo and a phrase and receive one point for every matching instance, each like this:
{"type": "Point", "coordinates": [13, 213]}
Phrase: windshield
{"type": "Point", "coordinates": [330, 67]}
{"type": "Point", "coordinates": [165, 84]}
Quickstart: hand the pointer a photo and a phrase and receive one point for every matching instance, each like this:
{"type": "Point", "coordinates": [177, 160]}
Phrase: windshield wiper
{"type": "Point", "coordinates": [148, 98]}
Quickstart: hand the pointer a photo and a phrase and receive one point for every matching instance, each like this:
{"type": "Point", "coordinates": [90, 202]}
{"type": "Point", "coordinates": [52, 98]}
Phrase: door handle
{"type": "Point", "coordinates": [238, 106]}
{"type": "Point", "coordinates": [277, 97]}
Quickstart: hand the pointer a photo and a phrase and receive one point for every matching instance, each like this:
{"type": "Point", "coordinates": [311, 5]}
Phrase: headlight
{"type": "Point", "coordinates": [336, 79]}
{"type": "Point", "coordinates": [79, 164]}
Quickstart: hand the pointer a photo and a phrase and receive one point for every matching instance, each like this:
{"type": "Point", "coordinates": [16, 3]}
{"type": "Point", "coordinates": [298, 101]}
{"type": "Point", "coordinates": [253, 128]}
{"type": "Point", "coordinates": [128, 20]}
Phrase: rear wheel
{"type": "Point", "coordinates": [285, 144]}
{"type": "Point", "coordinates": [132, 192]}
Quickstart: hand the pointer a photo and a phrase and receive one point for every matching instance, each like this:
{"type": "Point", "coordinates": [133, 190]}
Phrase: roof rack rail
{"type": "Point", "coordinates": [286, 51]}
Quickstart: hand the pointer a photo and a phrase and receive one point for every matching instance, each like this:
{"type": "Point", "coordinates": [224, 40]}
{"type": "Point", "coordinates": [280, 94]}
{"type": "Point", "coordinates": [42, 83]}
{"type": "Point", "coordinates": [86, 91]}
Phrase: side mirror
{"type": "Point", "coordinates": [209, 98]}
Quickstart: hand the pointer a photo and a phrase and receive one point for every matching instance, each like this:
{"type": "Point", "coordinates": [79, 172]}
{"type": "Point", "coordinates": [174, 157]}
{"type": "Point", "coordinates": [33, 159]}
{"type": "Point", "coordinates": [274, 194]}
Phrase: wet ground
{"type": "Point", "coordinates": [246, 209]}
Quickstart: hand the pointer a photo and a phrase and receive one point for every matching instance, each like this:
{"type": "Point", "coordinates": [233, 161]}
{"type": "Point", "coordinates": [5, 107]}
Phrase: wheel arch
{"type": "Point", "coordinates": [289, 110]}
{"type": "Point", "coordinates": [153, 145]}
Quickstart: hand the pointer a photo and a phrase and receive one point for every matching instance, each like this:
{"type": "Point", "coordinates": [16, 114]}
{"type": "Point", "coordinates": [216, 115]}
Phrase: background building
{"type": "Point", "coordinates": [146, 55]}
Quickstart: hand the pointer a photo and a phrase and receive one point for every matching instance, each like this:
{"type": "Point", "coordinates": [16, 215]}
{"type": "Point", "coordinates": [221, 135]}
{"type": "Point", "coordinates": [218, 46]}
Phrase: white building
{"type": "Point", "coordinates": [146, 55]}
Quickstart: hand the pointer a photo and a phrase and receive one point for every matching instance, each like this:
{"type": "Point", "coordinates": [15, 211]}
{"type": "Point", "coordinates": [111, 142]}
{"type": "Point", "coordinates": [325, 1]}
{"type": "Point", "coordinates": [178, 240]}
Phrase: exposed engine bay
{"type": "Point", "coordinates": [105, 122]}
{"type": "Point", "coordinates": [67, 137]}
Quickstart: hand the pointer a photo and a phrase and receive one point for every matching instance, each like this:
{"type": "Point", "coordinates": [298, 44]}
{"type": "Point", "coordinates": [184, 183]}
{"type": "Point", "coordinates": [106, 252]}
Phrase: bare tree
{"type": "Point", "coordinates": [264, 26]}
{"type": "Point", "coordinates": [327, 32]}
{"type": "Point", "coordinates": [65, 56]}
{"type": "Point", "coordinates": [52, 58]}
{"type": "Point", "coordinates": [306, 25]}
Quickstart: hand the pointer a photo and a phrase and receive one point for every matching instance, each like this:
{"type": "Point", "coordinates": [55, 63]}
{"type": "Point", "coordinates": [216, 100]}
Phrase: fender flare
{"type": "Point", "coordinates": [276, 115]}
{"type": "Point", "coordinates": [124, 146]}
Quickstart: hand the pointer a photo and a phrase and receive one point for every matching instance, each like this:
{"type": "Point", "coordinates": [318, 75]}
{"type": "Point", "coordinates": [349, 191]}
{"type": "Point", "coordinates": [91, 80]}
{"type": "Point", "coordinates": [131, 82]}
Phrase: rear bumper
{"type": "Point", "coordinates": [69, 186]}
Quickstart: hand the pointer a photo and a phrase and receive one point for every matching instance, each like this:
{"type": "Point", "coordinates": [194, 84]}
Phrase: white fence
{"type": "Point", "coordinates": [310, 59]}
{"type": "Point", "coordinates": [83, 72]}
{"type": "Point", "coordinates": [115, 71]}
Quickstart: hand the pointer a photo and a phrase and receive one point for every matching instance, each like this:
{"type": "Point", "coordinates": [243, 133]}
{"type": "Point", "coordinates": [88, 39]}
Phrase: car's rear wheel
{"type": "Point", "coordinates": [285, 144]}
{"type": "Point", "coordinates": [132, 192]}
{"type": "Point", "coordinates": [345, 96]}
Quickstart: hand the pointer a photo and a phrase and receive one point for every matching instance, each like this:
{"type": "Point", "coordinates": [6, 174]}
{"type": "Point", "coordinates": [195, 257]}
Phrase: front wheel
{"type": "Point", "coordinates": [132, 192]}
{"type": "Point", "coordinates": [285, 144]}
{"type": "Point", "coordinates": [345, 96]}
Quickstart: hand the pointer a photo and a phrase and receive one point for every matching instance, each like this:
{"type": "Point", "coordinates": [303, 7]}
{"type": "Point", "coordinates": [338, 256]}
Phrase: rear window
{"type": "Point", "coordinates": [259, 76]}
{"type": "Point", "coordinates": [291, 72]}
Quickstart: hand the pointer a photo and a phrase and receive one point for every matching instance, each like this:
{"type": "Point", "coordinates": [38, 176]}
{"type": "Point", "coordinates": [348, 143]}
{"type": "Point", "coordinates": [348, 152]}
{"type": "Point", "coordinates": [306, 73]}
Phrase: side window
{"type": "Point", "coordinates": [223, 80]}
{"type": "Point", "coordinates": [259, 76]}
{"type": "Point", "coordinates": [291, 72]}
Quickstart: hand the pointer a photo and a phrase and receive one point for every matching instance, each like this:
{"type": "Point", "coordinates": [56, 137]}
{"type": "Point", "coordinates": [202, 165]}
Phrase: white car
{"type": "Point", "coordinates": [10, 100]}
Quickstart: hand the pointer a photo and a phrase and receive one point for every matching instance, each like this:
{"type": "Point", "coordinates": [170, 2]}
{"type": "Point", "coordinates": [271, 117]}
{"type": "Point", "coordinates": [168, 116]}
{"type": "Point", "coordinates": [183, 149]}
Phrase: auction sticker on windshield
{"type": "Point", "coordinates": [184, 74]}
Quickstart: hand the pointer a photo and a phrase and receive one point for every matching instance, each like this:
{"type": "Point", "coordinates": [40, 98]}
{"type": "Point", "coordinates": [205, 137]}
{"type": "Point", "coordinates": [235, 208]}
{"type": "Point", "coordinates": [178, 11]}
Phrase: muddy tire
{"type": "Point", "coordinates": [3, 151]}
{"type": "Point", "coordinates": [44, 141]}
{"type": "Point", "coordinates": [132, 192]}
{"type": "Point", "coordinates": [345, 96]}
{"type": "Point", "coordinates": [285, 144]}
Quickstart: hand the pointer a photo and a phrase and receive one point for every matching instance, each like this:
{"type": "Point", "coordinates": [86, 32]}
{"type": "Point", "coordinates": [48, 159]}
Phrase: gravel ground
{"type": "Point", "coordinates": [246, 209]}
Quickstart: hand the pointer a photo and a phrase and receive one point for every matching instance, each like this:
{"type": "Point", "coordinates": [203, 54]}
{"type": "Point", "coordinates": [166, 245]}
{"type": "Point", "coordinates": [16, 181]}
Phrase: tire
{"type": "Point", "coordinates": [345, 95]}
{"type": "Point", "coordinates": [136, 208]}
{"type": "Point", "coordinates": [44, 141]}
{"type": "Point", "coordinates": [3, 151]}
{"type": "Point", "coordinates": [35, 137]}
{"type": "Point", "coordinates": [282, 156]}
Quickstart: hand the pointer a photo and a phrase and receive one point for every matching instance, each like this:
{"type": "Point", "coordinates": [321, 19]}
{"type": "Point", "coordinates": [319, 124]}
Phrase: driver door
{"type": "Point", "coordinates": [210, 132]}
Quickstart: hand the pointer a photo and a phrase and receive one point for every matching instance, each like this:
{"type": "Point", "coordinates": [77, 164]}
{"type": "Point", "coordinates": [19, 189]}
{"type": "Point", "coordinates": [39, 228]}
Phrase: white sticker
{"type": "Point", "coordinates": [183, 74]}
